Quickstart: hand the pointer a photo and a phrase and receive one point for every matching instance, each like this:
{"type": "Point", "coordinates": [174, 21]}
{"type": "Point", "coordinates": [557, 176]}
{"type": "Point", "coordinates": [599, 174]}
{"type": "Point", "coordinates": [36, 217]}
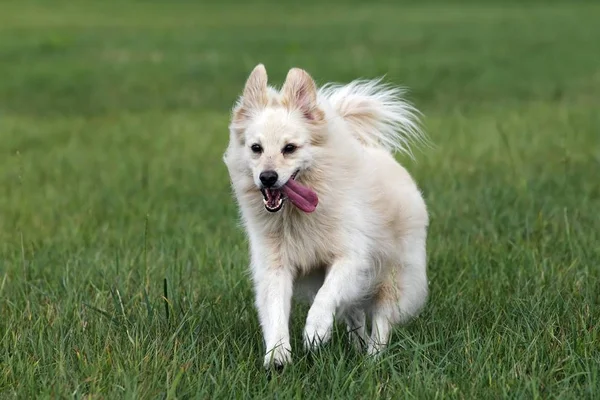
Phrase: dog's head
{"type": "Point", "coordinates": [274, 134]}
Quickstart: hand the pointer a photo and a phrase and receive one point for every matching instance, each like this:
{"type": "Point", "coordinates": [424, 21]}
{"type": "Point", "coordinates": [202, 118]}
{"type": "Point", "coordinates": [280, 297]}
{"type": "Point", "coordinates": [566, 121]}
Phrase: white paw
{"type": "Point", "coordinates": [317, 332]}
{"type": "Point", "coordinates": [278, 358]}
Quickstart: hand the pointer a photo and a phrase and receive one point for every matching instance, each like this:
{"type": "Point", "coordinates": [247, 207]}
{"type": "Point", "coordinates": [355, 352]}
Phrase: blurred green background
{"type": "Point", "coordinates": [113, 121]}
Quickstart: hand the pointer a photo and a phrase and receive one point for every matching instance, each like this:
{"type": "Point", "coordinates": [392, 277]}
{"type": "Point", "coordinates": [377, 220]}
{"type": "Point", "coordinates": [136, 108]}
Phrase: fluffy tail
{"type": "Point", "coordinates": [376, 113]}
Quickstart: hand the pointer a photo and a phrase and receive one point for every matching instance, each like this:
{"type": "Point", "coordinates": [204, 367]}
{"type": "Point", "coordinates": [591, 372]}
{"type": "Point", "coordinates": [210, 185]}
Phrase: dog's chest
{"type": "Point", "coordinates": [305, 243]}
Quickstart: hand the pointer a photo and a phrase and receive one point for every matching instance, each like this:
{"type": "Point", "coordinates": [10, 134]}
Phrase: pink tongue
{"type": "Point", "coordinates": [301, 196]}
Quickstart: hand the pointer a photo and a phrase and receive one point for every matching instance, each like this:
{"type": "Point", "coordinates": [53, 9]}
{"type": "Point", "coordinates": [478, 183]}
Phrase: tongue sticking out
{"type": "Point", "coordinates": [301, 196]}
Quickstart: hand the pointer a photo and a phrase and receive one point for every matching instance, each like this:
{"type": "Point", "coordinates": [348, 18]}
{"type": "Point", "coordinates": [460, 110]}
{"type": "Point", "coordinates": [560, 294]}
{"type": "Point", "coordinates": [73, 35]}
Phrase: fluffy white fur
{"type": "Point", "coordinates": [362, 253]}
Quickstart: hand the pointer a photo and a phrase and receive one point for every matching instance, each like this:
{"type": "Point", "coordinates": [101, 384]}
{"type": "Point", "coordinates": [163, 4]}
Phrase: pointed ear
{"type": "Point", "coordinates": [300, 92]}
{"type": "Point", "coordinates": [255, 91]}
{"type": "Point", "coordinates": [253, 98]}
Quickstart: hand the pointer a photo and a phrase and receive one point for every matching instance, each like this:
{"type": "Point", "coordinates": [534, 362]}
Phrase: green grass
{"type": "Point", "coordinates": [113, 121]}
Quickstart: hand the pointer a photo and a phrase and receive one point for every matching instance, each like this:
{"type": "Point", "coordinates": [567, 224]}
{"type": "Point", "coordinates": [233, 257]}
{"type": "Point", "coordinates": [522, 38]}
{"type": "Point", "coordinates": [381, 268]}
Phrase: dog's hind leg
{"type": "Point", "coordinates": [403, 295]}
{"type": "Point", "coordinates": [384, 314]}
{"type": "Point", "coordinates": [356, 325]}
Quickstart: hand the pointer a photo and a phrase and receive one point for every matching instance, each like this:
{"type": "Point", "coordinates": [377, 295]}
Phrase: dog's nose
{"type": "Point", "coordinates": [268, 178]}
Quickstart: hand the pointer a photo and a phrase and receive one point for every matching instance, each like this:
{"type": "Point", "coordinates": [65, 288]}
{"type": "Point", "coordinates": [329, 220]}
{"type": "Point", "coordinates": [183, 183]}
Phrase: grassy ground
{"type": "Point", "coordinates": [113, 121]}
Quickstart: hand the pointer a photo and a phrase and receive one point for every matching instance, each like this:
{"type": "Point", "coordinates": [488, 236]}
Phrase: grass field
{"type": "Point", "coordinates": [113, 121]}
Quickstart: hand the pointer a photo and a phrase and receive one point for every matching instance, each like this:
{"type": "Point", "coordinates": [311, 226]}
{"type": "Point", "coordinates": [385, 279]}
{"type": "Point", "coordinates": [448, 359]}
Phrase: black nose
{"type": "Point", "coordinates": [268, 178]}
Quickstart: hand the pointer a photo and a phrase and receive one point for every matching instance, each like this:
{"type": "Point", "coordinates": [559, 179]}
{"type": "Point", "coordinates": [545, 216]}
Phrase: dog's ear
{"type": "Point", "coordinates": [255, 91]}
{"type": "Point", "coordinates": [253, 98]}
{"type": "Point", "coordinates": [300, 92]}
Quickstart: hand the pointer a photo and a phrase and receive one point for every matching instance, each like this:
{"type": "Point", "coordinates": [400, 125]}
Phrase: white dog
{"type": "Point", "coordinates": [329, 212]}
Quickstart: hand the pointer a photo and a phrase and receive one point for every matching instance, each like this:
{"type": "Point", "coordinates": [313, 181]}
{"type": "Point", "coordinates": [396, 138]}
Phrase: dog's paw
{"type": "Point", "coordinates": [278, 358]}
{"type": "Point", "coordinates": [317, 333]}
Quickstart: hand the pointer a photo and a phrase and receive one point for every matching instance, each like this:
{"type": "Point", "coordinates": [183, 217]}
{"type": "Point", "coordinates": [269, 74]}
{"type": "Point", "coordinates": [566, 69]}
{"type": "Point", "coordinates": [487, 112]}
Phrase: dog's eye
{"type": "Point", "coordinates": [256, 148]}
{"type": "Point", "coordinates": [289, 148]}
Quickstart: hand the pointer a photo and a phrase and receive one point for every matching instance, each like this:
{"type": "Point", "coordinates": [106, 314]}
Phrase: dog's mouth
{"type": "Point", "coordinates": [299, 195]}
{"type": "Point", "coordinates": [273, 199]}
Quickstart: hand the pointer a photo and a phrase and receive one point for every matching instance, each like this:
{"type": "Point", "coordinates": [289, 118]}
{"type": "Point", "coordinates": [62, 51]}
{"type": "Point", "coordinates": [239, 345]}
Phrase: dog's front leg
{"type": "Point", "coordinates": [344, 286]}
{"type": "Point", "coordinates": [274, 286]}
